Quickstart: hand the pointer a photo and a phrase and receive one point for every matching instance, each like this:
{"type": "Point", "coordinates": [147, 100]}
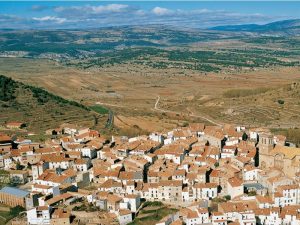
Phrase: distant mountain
{"type": "Point", "coordinates": [284, 26]}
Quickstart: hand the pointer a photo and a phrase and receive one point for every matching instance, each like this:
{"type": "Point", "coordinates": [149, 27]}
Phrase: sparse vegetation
{"type": "Point", "coordinates": [11, 213]}
{"type": "Point", "coordinates": [99, 109]}
{"type": "Point", "coordinates": [292, 134]}
{"type": "Point", "coordinates": [49, 110]}
{"type": "Point", "coordinates": [236, 93]}
{"type": "Point", "coordinates": [151, 213]}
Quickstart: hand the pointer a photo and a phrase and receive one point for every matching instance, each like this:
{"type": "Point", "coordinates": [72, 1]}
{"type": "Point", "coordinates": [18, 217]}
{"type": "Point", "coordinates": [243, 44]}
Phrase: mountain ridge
{"type": "Point", "coordinates": [286, 26]}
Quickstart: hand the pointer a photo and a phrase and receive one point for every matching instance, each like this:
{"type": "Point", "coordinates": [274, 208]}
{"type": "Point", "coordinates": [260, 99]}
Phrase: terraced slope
{"type": "Point", "coordinates": [39, 109]}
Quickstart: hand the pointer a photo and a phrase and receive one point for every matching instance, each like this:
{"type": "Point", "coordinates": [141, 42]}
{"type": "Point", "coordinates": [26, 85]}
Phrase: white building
{"type": "Point", "coordinates": [235, 187]}
{"type": "Point", "coordinates": [39, 215]}
{"type": "Point", "coordinates": [124, 216]}
{"type": "Point", "coordinates": [133, 201]}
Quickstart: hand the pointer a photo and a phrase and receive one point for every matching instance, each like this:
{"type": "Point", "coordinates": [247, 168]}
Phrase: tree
{"type": "Point", "coordinates": [245, 136]}
{"type": "Point", "coordinates": [15, 211]}
{"type": "Point", "coordinates": [252, 193]}
{"type": "Point", "coordinates": [19, 166]}
{"type": "Point", "coordinates": [227, 197]}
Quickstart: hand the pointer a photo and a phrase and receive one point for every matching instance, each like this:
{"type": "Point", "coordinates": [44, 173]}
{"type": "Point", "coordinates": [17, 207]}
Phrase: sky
{"type": "Point", "coordinates": [96, 14]}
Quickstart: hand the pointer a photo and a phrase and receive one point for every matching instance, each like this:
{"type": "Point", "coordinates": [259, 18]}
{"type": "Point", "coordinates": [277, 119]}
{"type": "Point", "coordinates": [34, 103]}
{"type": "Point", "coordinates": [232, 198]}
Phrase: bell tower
{"type": "Point", "coordinates": [265, 144]}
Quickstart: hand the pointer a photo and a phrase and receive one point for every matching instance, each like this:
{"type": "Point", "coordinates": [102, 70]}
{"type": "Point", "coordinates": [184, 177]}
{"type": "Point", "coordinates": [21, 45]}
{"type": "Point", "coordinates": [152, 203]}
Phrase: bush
{"type": "Point", "coordinates": [185, 124]}
{"type": "Point", "coordinates": [7, 88]}
{"type": "Point", "coordinates": [227, 197]}
{"type": "Point", "coordinates": [15, 211]}
{"type": "Point", "coordinates": [281, 102]}
{"type": "Point", "coordinates": [252, 193]}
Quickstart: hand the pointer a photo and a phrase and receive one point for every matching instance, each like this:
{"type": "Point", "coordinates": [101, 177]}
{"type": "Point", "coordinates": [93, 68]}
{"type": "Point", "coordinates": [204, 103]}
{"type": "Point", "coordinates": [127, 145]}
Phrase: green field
{"type": "Point", "coordinates": [99, 109]}
{"type": "Point", "coordinates": [6, 213]}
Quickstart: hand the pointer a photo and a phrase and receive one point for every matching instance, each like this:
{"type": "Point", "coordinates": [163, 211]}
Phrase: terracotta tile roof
{"type": "Point", "coordinates": [110, 183]}
{"type": "Point", "coordinates": [177, 222]}
{"type": "Point", "coordinates": [205, 185]}
{"type": "Point", "coordinates": [113, 198]}
{"type": "Point", "coordinates": [179, 173]}
{"type": "Point", "coordinates": [244, 206]}
{"type": "Point", "coordinates": [60, 213]}
{"type": "Point", "coordinates": [40, 186]}
{"type": "Point", "coordinates": [215, 173]}
{"type": "Point", "coordinates": [5, 138]}
{"type": "Point", "coordinates": [50, 175]}
{"type": "Point", "coordinates": [192, 214]}
{"type": "Point", "coordinates": [214, 131]}
{"type": "Point", "coordinates": [288, 187]}
{"type": "Point", "coordinates": [81, 161]}
{"type": "Point", "coordinates": [264, 212]}
{"type": "Point", "coordinates": [264, 199]}
{"type": "Point", "coordinates": [123, 212]}
{"type": "Point", "coordinates": [42, 208]}
{"type": "Point", "coordinates": [197, 127]}
{"type": "Point", "coordinates": [58, 198]}
{"type": "Point", "coordinates": [288, 152]}
{"type": "Point", "coordinates": [170, 183]}
{"type": "Point", "coordinates": [14, 124]}
{"type": "Point", "coordinates": [235, 182]}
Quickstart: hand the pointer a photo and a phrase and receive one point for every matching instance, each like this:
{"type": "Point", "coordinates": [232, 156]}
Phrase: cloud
{"type": "Point", "coordinates": [39, 8]}
{"type": "Point", "coordinates": [103, 15]}
{"type": "Point", "coordinates": [161, 11]}
{"type": "Point", "coordinates": [109, 8]}
{"type": "Point", "coordinates": [88, 9]}
{"type": "Point", "coordinates": [50, 18]}
{"type": "Point", "coordinates": [8, 18]}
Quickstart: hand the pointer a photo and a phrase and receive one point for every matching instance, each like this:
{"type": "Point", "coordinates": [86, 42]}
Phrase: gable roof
{"type": "Point", "coordinates": [14, 191]}
{"type": "Point", "coordinates": [289, 152]}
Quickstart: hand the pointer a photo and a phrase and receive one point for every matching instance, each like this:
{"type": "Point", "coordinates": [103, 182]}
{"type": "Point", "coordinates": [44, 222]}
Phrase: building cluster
{"type": "Point", "coordinates": [209, 174]}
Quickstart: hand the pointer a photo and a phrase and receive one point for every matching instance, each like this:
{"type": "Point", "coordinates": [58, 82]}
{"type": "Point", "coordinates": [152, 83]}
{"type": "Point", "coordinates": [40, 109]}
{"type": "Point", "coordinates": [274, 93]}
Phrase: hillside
{"type": "Point", "coordinates": [284, 26]}
{"type": "Point", "coordinates": [41, 110]}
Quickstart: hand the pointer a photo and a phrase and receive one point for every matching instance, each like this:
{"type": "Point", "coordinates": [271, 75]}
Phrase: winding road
{"type": "Point", "coordinates": [192, 115]}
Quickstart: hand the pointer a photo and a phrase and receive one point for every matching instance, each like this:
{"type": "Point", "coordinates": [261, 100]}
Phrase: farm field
{"type": "Point", "coordinates": [156, 78]}
{"type": "Point", "coordinates": [132, 93]}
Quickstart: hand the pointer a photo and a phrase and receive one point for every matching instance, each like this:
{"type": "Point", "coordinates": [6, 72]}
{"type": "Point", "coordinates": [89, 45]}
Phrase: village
{"type": "Point", "coordinates": [198, 174]}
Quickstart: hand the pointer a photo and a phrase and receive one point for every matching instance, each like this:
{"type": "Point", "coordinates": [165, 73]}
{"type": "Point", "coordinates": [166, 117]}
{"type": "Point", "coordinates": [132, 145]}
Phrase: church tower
{"type": "Point", "coordinates": [265, 146]}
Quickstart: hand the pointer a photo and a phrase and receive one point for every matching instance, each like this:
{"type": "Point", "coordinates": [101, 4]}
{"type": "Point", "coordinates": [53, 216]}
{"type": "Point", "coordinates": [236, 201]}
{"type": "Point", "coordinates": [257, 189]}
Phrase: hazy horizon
{"type": "Point", "coordinates": [95, 14]}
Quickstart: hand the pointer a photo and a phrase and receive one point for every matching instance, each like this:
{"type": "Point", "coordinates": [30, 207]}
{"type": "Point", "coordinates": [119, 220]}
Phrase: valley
{"type": "Point", "coordinates": [132, 93]}
{"type": "Point", "coordinates": [194, 73]}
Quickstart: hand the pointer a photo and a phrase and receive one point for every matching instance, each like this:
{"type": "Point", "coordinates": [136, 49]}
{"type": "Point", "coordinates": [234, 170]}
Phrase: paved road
{"type": "Point", "coordinates": [110, 120]}
{"type": "Point", "coordinates": [192, 115]}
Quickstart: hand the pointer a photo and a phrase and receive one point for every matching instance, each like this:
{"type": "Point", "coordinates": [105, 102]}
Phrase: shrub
{"type": "Point", "coordinates": [7, 88]}
{"type": "Point", "coordinates": [227, 197]}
